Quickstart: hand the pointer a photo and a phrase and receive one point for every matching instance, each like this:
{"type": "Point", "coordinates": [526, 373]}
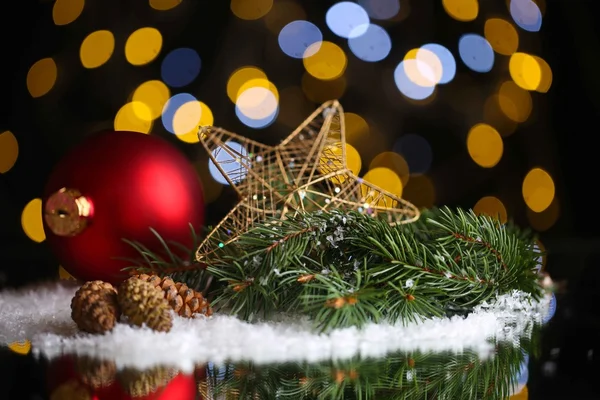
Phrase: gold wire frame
{"type": "Point", "coordinates": [307, 171]}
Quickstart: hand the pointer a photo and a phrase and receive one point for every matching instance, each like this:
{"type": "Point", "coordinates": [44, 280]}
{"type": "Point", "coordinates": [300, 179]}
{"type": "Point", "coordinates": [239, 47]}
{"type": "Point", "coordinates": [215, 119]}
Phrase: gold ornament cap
{"type": "Point", "coordinates": [67, 212]}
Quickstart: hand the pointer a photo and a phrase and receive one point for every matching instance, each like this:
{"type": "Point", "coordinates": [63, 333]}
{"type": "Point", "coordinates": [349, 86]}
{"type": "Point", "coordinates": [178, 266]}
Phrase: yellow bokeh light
{"type": "Point", "coordinates": [258, 102]}
{"type": "Point", "coordinates": [143, 46]}
{"type": "Point", "coordinates": [538, 190]}
{"type": "Point", "coordinates": [97, 48]}
{"type": "Point", "coordinates": [164, 5]}
{"type": "Point", "coordinates": [326, 63]}
{"type": "Point", "coordinates": [9, 151]}
{"type": "Point", "coordinates": [149, 99]}
{"type": "Point", "coordinates": [420, 191]}
{"type": "Point", "coordinates": [134, 117]}
{"type": "Point", "coordinates": [319, 91]}
{"type": "Point", "coordinates": [494, 116]}
{"type": "Point", "coordinates": [502, 36]}
{"type": "Point", "coordinates": [393, 161]}
{"type": "Point", "coordinates": [423, 67]}
{"type": "Point", "coordinates": [492, 207]}
{"type": "Point", "coordinates": [188, 117]}
{"type": "Point", "coordinates": [525, 71]}
{"type": "Point", "coordinates": [515, 103]}
{"type": "Point", "coordinates": [546, 75]}
{"type": "Point", "coordinates": [282, 13]}
{"type": "Point", "coordinates": [356, 127]}
{"type": "Point", "coordinates": [23, 347]}
{"type": "Point", "coordinates": [41, 77]}
{"type": "Point", "coordinates": [522, 395]}
{"type": "Point", "coordinates": [239, 77]}
{"type": "Point", "coordinates": [546, 219]}
{"type": "Point", "coordinates": [385, 179]}
{"type": "Point", "coordinates": [251, 9]}
{"type": "Point", "coordinates": [353, 160]}
{"type": "Point", "coordinates": [66, 11]}
{"type": "Point", "coordinates": [462, 10]}
{"type": "Point", "coordinates": [258, 83]}
{"type": "Point", "coordinates": [485, 145]}
{"type": "Point", "coordinates": [192, 115]}
{"type": "Point", "coordinates": [31, 221]}
{"type": "Point", "coordinates": [64, 274]}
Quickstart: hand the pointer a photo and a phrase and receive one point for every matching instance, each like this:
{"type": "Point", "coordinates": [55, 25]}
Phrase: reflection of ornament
{"type": "Point", "coordinates": [141, 383]}
{"type": "Point", "coordinates": [184, 301]}
{"type": "Point", "coordinates": [96, 373]}
{"type": "Point", "coordinates": [94, 307]}
{"type": "Point", "coordinates": [117, 185]}
{"type": "Point", "coordinates": [142, 304]}
{"type": "Point", "coordinates": [307, 171]}
{"type": "Point", "coordinates": [71, 390]}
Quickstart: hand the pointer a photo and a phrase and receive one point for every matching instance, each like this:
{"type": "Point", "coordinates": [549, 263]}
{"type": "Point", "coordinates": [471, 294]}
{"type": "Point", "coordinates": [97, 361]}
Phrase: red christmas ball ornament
{"type": "Point", "coordinates": [115, 186]}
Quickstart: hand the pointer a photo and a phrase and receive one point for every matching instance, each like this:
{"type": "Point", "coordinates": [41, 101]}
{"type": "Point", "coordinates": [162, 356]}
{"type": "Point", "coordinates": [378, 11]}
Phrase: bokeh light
{"type": "Point", "coordinates": [501, 35]}
{"type": "Point", "coordinates": [180, 67]}
{"type": "Point", "coordinates": [443, 55]}
{"type": "Point", "coordinates": [297, 37]}
{"type": "Point", "coordinates": [22, 347]}
{"type": "Point", "coordinates": [525, 71]}
{"type": "Point", "coordinates": [66, 11]}
{"type": "Point", "coordinates": [515, 103]}
{"type": "Point", "coordinates": [41, 77]}
{"type": "Point", "coordinates": [31, 221]}
{"type": "Point", "coordinates": [485, 145]}
{"type": "Point", "coordinates": [97, 48]}
{"type": "Point", "coordinates": [393, 161]}
{"type": "Point", "coordinates": [406, 83]}
{"type": "Point", "coordinates": [171, 107]}
{"type": "Point", "coordinates": [416, 151]}
{"type": "Point", "coordinates": [134, 116]}
{"type": "Point", "coordinates": [381, 9]}
{"type": "Point", "coordinates": [258, 106]}
{"type": "Point", "coordinates": [153, 95]}
{"type": "Point", "coordinates": [526, 14]}
{"type": "Point", "coordinates": [347, 19]}
{"type": "Point", "coordinates": [251, 10]}
{"type": "Point", "coordinates": [492, 207]}
{"type": "Point", "coordinates": [494, 116]}
{"type": "Point", "coordinates": [328, 62]}
{"type": "Point", "coordinates": [164, 5]}
{"type": "Point", "coordinates": [427, 70]}
{"type": "Point", "coordinates": [353, 159]}
{"type": "Point", "coordinates": [188, 118]}
{"type": "Point", "coordinates": [385, 179]}
{"type": "Point", "coordinates": [476, 52]}
{"type": "Point", "coordinates": [356, 127]}
{"type": "Point", "coordinates": [373, 45]}
{"type": "Point", "coordinates": [546, 75]}
{"type": "Point", "coordinates": [229, 163]}
{"type": "Point", "coordinates": [538, 189]}
{"type": "Point", "coordinates": [462, 10]}
{"type": "Point", "coordinates": [143, 46]}
{"type": "Point", "coordinates": [282, 13]}
{"type": "Point", "coordinates": [9, 151]}
{"type": "Point", "coordinates": [546, 219]}
{"type": "Point", "coordinates": [64, 274]}
{"type": "Point", "coordinates": [240, 77]}
{"type": "Point", "coordinates": [319, 91]}
{"type": "Point", "coordinates": [420, 191]}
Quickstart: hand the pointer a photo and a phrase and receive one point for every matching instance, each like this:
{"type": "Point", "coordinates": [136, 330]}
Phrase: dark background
{"type": "Point", "coordinates": [562, 138]}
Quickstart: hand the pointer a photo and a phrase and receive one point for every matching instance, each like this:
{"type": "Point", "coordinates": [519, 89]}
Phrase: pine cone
{"type": "Point", "coordinates": [185, 301]}
{"type": "Point", "coordinates": [94, 308]}
{"type": "Point", "coordinates": [141, 383]}
{"type": "Point", "coordinates": [142, 304]}
{"type": "Point", "coordinates": [96, 373]}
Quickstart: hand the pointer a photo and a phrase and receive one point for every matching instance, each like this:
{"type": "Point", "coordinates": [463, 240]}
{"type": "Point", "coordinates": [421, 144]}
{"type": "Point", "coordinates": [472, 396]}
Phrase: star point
{"type": "Point", "coordinates": [306, 171]}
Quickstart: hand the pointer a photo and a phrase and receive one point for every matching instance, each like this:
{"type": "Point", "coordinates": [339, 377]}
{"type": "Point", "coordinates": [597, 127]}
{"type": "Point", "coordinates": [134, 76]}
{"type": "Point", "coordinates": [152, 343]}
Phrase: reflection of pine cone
{"type": "Point", "coordinates": [185, 301]}
{"type": "Point", "coordinates": [96, 373]}
{"type": "Point", "coordinates": [142, 304]}
{"type": "Point", "coordinates": [141, 383]}
{"type": "Point", "coordinates": [94, 307]}
{"type": "Point", "coordinates": [71, 390]}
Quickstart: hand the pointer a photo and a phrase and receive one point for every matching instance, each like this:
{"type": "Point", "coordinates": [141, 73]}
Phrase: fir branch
{"type": "Point", "coordinates": [344, 268]}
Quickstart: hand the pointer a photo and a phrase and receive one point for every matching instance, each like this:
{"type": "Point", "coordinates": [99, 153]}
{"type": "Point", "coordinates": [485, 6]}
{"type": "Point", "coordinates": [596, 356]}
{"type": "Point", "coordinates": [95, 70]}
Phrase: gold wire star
{"type": "Point", "coordinates": [307, 171]}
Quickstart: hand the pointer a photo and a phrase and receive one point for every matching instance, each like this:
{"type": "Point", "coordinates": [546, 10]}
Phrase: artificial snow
{"type": "Point", "coordinates": [42, 314]}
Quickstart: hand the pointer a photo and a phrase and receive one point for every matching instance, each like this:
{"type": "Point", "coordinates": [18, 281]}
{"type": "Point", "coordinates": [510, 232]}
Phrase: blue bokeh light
{"type": "Point", "coordinates": [347, 19]}
{"type": "Point", "coordinates": [476, 52]}
{"type": "Point", "coordinates": [446, 59]}
{"type": "Point", "coordinates": [381, 9]}
{"type": "Point", "coordinates": [297, 36]}
{"type": "Point", "coordinates": [416, 151]}
{"type": "Point", "coordinates": [256, 123]}
{"type": "Point", "coordinates": [171, 108]}
{"type": "Point", "coordinates": [229, 163]}
{"type": "Point", "coordinates": [526, 14]}
{"type": "Point", "coordinates": [409, 88]}
{"type": "Point", "coordinates": [180, 67]}
{"type": "Point", "coordinates": [372, 46]}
